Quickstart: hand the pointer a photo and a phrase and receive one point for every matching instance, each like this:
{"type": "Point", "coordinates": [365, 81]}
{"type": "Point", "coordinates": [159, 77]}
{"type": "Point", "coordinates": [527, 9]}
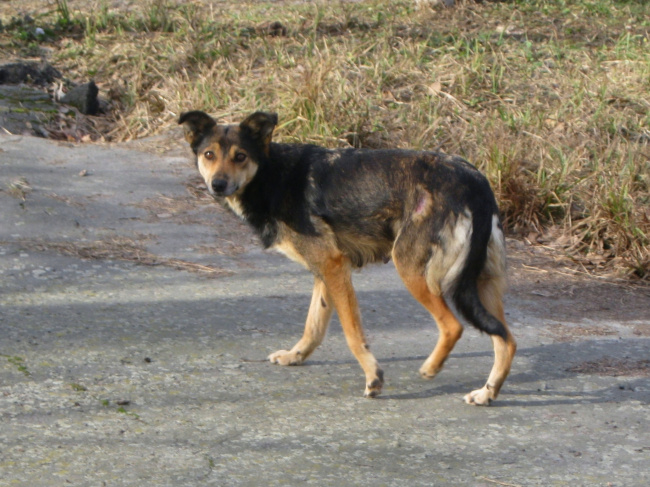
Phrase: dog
{"type": "Point", "coordinates": [334, 210]}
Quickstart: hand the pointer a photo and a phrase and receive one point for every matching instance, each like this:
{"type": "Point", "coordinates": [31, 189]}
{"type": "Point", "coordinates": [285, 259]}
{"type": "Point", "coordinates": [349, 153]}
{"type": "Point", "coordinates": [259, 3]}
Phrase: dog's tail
{"type": "Point", "coordinates": [482, 275]}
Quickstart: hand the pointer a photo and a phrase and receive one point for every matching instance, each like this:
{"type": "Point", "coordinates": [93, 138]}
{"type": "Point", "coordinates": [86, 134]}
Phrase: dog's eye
{"type": "Point", "coordinates": [240, 157]}
{"type": "Point", "coordinates": [209, 155]}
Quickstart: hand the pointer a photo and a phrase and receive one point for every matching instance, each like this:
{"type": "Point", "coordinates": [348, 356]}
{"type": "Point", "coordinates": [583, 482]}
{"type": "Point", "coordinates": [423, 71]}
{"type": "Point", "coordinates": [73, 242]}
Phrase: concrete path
{"type": "Point", "coordinates": [136, 315]}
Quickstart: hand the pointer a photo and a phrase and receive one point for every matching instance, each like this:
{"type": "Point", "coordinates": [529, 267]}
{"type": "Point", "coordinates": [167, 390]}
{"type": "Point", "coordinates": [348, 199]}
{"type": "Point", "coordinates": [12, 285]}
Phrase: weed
{"type": "Point", "coordinates": [19, 189]}
{"type": "Point", "coordinates": [122, 410]}
{"type": "Point", "coordinates": [65, 19]}
{"type": "Point", "coordinates": [19, 363]}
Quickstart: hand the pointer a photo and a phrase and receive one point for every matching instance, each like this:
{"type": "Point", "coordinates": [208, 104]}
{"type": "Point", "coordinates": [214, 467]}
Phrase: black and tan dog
{"type": "Point", "coordinates": [336, 209]}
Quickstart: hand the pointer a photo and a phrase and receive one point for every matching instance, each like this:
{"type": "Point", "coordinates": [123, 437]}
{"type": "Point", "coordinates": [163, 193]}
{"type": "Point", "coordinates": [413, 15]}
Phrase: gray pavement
{"type": "Point", "coordinates": [135, 318]}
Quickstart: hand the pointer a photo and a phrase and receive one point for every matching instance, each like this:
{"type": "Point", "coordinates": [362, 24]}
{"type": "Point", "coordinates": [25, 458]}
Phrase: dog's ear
{"type": "Point", "coordinates": [260, 127]}
{"type": "Point", "coordinates": [197, 125]}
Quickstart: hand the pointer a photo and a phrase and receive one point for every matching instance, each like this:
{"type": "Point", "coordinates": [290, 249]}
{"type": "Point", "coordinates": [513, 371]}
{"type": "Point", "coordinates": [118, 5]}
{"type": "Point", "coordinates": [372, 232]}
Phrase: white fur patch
{"type": "Point", "coordinates": [479, 397]}
{"type": "Point", "coordinates": [495, 264]}
{"type": "Point", "coordinates": [448, 258]}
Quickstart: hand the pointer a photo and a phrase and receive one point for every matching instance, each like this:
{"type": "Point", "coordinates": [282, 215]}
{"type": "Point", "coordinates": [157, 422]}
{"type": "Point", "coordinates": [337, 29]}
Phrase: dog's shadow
{"type": "Point", "coordinates": [509, 397]}
{"type": "Point", "coordinates": [541, 366]}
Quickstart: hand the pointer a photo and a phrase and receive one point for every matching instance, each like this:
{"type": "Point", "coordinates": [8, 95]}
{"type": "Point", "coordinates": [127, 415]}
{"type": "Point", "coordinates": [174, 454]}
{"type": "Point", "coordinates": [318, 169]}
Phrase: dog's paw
{"type": "Point", "coordinates": [428, 373]}
{"type": "Point", "coordinates": [286, 357]}
{"type": "Point", "coordinates": [373, 387]}
{"type": "Point", "coordinates": [479, 397]}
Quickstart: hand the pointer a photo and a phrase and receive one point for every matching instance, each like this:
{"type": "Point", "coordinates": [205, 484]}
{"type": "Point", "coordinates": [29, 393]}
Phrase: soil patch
{"type": "Point", "coordinates": [613, 367]}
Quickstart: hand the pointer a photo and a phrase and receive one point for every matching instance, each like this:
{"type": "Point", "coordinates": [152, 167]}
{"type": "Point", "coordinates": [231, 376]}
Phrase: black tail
{"type": "Point", "coordinates": [465, 294]}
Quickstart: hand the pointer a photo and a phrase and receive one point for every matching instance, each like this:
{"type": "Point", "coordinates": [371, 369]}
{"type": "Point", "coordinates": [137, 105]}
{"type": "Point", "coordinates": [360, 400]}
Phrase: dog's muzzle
{"type": "Point", "coordinates": [222, 187]}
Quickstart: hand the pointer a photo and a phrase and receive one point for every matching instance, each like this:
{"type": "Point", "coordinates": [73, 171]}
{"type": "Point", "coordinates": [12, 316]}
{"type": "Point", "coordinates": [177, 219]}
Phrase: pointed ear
{"type": "Point", "coordinates": [197, 125]}
{"type": "Point", "coordinates": [260, 127]}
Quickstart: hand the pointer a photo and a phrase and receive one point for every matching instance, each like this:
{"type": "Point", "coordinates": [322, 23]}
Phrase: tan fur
{"type": "Point", "coordinates": [449, 327]}
{"type": "Point", "coordinates": [336, 275]}
{"type": "Point", "coordinates": [224, 166]}
{"type": "Point", "coordinates": [333, 269]}
{"type": "Point", "coordinates": [209, 168]}
{"type": "Point", "coordinates": [318, 318]}
{"type": "Point", "coordinates": [287, 248]}
{"type": "Point", "coordinates": [365, 248]}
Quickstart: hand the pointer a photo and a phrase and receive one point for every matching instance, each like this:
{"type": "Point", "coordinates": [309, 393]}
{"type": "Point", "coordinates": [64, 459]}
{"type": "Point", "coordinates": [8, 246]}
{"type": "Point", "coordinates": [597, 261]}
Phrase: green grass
{"type": "Point", "coordinates": [18, 362]}
{"type": "Point", "coordinates": [548, 98]}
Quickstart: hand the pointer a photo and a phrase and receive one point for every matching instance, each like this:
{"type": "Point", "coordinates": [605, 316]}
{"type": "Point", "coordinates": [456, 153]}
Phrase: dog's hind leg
{"type": "Point", "coordinates": [485, 294]}
{"type": "Point", "coordinates": [490, 293]}
{"type": "Point", "coordinates": [450, 330]}
{"type": "Point", "coordinates": [413, 255]}
{"type": "Point", "coordinates": [318, 318]}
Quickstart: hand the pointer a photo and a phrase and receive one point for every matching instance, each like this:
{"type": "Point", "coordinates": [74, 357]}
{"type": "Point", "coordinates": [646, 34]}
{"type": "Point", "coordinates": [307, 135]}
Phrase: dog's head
{"type": "Point", "coordinates": [228, 156]}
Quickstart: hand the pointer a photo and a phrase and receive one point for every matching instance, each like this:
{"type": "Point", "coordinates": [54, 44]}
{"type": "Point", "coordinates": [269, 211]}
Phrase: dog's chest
{"type": "Point", "coordinates": [236, 206]}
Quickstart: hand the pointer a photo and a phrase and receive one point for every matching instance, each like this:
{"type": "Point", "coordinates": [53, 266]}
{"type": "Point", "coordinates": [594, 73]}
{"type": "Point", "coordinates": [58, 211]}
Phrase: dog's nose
{"type": "Point", "coordinates": [219, 185]}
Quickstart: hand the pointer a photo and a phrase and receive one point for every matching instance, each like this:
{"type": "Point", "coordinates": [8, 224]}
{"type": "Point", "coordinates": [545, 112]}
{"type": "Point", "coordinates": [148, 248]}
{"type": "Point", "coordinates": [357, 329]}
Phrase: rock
{"type": "Point", "coordinates": [28, 72]}
{"type": "Point", "coordinates": [273, 29]}
{"type": "Point", "coordinates": [25, 110]}
{"type": "Point", "coordinates": [84, 98]}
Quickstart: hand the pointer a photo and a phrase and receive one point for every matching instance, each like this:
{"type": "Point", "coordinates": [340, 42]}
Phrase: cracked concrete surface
{"type": "Point", "coordinates": [136, 315]}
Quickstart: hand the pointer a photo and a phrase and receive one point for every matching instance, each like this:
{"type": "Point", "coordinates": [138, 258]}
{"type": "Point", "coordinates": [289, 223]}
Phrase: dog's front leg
{"type": "Point", "coordinates": [337, 278]}
{"type": "Point", "coordinates": [318, 318]}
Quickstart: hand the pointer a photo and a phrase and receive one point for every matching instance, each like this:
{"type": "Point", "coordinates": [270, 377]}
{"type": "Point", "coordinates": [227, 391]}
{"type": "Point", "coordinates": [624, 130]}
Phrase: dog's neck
{"type": "Point", "coordinates": [272, 197]}
{"type": "Point", "coordinates": [253, 206]}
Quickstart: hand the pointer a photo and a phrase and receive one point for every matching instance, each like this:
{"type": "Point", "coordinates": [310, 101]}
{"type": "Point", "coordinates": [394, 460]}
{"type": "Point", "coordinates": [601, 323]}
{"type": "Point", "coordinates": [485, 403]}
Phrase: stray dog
{"type": "Point", "coordinates": [333, 210]}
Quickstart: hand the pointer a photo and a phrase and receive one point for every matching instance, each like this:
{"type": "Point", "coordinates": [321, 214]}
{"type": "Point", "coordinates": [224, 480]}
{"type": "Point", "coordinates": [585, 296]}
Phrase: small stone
{"type": "Point", "coordinates": [28, 72]}
{"type": "Point", "coordinates": [84, 98]}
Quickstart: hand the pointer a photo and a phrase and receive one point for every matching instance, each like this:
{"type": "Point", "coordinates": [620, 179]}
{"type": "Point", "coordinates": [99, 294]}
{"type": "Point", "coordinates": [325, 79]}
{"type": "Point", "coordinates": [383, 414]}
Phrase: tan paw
{"type": "Point", "coordinates": [373, 387]}
{"type": "Point", "coordinates": [286, 357]}
{"type": "Point", "coordinates": [479, 397]}
{"type": "Point", "coordinates": [428, 373]}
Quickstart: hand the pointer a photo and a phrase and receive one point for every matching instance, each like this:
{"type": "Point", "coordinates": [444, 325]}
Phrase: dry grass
{"type": "Point", "coordinates": [118, 248]}
{"type": "Point", "coordinates": [19, 189]}
{"type": "Point", "coordinates": [548, 98]}
{"type": "Point", "coordinates": [173, 208]}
